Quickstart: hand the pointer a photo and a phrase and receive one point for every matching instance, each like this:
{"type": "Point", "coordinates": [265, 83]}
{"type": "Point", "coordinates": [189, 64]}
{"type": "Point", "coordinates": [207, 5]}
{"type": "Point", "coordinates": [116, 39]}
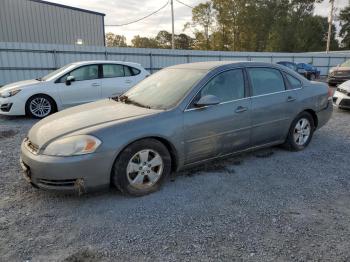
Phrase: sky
{"type": "Point", "coordinates": [123, 11]}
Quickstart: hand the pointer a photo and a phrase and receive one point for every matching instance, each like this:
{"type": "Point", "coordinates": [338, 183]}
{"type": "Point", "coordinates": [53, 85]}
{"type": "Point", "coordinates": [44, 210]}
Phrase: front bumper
{"type": "Point", "coordinates": [77, 173]}
{"type": "Point", "coordinates": [341, 100]}
{"type": "Point", "coordinates": [12, 106]}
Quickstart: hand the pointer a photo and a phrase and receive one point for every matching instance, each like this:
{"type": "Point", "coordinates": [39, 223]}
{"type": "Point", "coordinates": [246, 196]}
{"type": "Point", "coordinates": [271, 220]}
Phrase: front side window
{"type": "Point", "coordinates": [112, 70]}
{"type": "Point", "coordinates": [265, 81]}
{"type": "Point", "coordinates": [83, 73]}
{"type": "Point", "coordinates": [227, 86]}
{"type": "Point", "coordinates": [294, 82]}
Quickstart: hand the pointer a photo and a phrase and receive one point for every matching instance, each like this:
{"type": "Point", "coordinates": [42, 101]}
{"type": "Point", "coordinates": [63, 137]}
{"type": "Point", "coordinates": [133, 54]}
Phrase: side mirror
{"type": "Point", "coordinates": [208, 100]}
{"type": "Point", "coordinates": [69, 80]}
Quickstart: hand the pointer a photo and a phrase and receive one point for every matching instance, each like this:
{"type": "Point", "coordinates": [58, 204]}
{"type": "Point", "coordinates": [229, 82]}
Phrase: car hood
{"type": "Point", "coordinates": [345, 86]}
{"type": "Point", "coordinates": [81, 117]}
{"type": "Point", "coordinates": [340, 68]}
{"type": "Point", "coordinates": [20, 84]}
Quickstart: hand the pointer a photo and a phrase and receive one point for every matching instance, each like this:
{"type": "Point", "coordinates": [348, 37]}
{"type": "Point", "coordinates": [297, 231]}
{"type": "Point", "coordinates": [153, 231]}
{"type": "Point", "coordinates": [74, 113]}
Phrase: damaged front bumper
{"type": "Point", "coordinates": [76, 173]}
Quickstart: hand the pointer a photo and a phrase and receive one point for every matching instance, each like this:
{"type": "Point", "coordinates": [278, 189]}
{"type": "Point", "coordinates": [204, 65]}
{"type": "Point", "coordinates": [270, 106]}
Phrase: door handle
{"type": "Point", "coordinates": [241, 109]}
{"type": "Point", "coordinates": [290, 99]}
{"type": "Point", "coordinates": [95, 84]}
{"type": "Point", "coordinates": [128, 81]}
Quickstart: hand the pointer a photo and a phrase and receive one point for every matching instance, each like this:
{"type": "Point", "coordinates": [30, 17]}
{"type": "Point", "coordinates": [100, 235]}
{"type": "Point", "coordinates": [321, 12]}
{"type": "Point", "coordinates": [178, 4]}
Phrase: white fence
{"type": "Point", "coordinates": [19, 61]}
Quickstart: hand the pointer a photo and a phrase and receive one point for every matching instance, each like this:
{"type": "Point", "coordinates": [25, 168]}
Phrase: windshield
{"type": "Point", "coordinates": [164, 89]}
{"type": "Point", "coordinates": [54, 73]}
{"type": "Point", "coordinates": [346, 64]}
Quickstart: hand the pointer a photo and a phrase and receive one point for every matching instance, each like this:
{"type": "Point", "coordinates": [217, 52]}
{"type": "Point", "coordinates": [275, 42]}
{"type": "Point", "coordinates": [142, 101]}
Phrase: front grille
{"type": "Point", "coordinates": [31, 147]}
{"type": "Point", "coordinates": [57, 183]}
{"type": "Point", "coordinates": [343, 91]}
{"type": "Point", "coordinates": [345, 103]}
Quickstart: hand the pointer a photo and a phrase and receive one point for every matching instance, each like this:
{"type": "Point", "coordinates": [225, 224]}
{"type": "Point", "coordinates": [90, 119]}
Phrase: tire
{"type": "Point", "coordinates": [298, 141]}
{"type": "Point", "coordinates": [40, 106]}
{"type": "Point", "coordinates": [312, 77]}
{"type": "Point", "coordinates": [138, 178]}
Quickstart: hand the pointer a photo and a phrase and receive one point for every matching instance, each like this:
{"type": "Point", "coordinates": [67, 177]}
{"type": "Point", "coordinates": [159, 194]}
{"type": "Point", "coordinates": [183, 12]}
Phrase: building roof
{"type": "Point", "coordinates": [68, 7]}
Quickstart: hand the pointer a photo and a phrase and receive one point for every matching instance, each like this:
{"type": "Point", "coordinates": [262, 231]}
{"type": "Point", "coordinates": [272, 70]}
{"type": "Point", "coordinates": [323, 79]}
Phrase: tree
{"type": "Point", "coordinates": [344, 18]}
{"type": "Point", "coordinates": [164, 39]}
{"type": "Point", "coordinates": [113, 40]}
{"type": "Point", "coordinates": [202, 16]}
{"type": "Point", "coordinates": [144, 42]}
{"type": "Point", "coordinates": [183, 41]}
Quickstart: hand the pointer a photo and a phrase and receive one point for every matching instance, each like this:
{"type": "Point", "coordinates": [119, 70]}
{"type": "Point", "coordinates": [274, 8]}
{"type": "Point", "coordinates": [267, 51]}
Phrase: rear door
{"type": "Point", "coordinates": [219, 129]}
{"type": "Point", "coordinates": [270, 104]}
{"type": "Point", "coordinates": [85, 88]}
{"type": "Point", "coordinates": [114, 82]}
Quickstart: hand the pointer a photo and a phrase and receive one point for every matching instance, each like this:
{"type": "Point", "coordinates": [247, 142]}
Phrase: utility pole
{"type": "Point", "coordinates": [172, 25]}
{"type": "Point", "coordinates": [330, 24]}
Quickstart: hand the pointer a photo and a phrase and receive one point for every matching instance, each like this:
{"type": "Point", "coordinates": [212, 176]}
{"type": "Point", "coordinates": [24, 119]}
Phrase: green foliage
{"type": "Point", "coordinates": [260, 25]}
{"type": "Point", "coordinates": [113, 40]}
{"type": "Point", "coordinates": [344, 18]}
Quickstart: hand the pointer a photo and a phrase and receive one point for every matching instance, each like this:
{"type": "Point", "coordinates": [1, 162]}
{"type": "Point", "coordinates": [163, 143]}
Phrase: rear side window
{"type": "Point", "coordinates": [135, 71]}
{"type": "Point", "coordinates": [226, 86]}
{"type": "Point", "coordinates": [112, 70]}
{"type": "Point", "coordinates": [127, 71]}
{"type": "Point", "coordinates": [293, 82]}
{"type": "Point", "coordinates": [265, 81]}
{"type": "Point", "coordinates": [115, 70]}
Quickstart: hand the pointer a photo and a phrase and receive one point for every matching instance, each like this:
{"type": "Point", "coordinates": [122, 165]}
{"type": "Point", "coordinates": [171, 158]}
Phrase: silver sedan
{"type": "Point", "coordinates": [181, 116]}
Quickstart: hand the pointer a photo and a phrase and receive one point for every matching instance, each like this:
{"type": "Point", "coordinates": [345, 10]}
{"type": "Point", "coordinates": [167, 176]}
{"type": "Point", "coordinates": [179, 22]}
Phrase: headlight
{"type": "Point", "coordinates": [72, 146]}
{"type": "Point", "coordinates": [6, 94]}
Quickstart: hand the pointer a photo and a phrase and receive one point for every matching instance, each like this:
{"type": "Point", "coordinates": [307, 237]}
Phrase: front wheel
{"type": "Point", "coordinates": [300, 132]}
{"type": "Point", "coordinates": [141, 168]}
{"type": "Point", "coordinates": [40, 106]}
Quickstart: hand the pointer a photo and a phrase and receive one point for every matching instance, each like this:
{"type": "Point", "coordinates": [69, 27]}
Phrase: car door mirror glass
{"type": "Point", "coordinates": [69, 80]}
{"type": "Point", "coordinates": [208, 100]}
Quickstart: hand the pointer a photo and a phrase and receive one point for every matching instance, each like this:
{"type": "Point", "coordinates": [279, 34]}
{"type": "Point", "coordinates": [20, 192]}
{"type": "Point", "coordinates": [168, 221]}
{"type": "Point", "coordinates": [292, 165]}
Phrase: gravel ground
{"type": "Point", "coordinates": [270, 205]}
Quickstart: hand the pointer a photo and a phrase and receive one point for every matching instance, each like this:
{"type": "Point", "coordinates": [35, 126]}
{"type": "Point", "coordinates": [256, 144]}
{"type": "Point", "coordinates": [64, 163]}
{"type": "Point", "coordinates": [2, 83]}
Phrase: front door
{"type": "Point", "coordinates": [85, 88]}
{"type": "Point", "coordinates": [219, 129]}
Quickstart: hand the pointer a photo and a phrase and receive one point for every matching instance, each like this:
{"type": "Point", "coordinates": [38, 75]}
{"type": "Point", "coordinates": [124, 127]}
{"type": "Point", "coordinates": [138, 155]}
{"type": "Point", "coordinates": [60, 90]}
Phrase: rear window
{"type": "Point", "coordinates": [293, 82]}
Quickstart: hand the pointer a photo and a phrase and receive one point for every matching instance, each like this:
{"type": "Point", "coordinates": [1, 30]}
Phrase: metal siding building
{"type": "Point", "coordinates": [35, 21]}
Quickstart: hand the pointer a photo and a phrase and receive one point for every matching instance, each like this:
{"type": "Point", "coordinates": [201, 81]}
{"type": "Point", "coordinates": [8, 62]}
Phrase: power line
{"type": "Point", "coordinates": [184, 4]}
{"type": "Point", "coordinates": [142, 18]}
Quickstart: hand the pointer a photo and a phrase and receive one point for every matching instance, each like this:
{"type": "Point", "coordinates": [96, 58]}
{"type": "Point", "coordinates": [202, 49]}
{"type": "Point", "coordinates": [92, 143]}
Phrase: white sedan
{"type": "Point", "coordinates": [341, 96]}
{"type": "Point", "coordinates": [71, 85]}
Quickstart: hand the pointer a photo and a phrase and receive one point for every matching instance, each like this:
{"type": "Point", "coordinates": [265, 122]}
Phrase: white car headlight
{"type": "Point", "coordinates": [6, 94]}
{"type": "Point", "coordinates": [72, 146]}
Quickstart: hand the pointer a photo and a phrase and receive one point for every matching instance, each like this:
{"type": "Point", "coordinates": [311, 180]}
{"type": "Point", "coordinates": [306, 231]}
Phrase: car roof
{"type": "Point", "coordinates": [105, 62]}
{"type": "Point", "coordinates": [215, 64]}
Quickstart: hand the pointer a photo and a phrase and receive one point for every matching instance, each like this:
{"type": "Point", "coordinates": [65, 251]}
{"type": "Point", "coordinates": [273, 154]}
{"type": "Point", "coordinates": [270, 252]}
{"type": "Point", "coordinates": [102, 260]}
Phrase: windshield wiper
{"type": "Point", "coordinates": [39, 79]}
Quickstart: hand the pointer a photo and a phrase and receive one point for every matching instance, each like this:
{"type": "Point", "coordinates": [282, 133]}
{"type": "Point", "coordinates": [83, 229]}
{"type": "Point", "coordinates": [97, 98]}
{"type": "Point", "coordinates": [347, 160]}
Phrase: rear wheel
{"type": "Point", "coordinates": [141, 168]}
{"type": "Point", "coordinates": [40, 106]}
{"type": "Point", "coordinates": [300, 132]}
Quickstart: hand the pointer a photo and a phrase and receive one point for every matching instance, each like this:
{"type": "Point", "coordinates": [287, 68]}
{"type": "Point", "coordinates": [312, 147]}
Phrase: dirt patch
{"type": "Point", "coordinates": [7, 133]}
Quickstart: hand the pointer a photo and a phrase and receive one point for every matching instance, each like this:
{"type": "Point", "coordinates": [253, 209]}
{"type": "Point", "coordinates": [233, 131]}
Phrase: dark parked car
{"type": "Point", "coordinates": [311, 72]}
{"type": "Point", "coordinates": [181, 116]}
{"type": "Point", "coordinates": [293, 66]}
{"type": "Point", "coordinates": [339, 74]}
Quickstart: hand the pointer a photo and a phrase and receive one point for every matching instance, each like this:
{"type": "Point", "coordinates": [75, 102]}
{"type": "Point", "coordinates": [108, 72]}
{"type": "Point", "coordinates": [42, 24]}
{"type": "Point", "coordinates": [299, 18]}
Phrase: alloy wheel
{"type": "Point", "coordinates": [40, 107]}
{"type": "Point", "coordinates": [144, 169]}
{"type": "Point", "coordinates": [302, 131]}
